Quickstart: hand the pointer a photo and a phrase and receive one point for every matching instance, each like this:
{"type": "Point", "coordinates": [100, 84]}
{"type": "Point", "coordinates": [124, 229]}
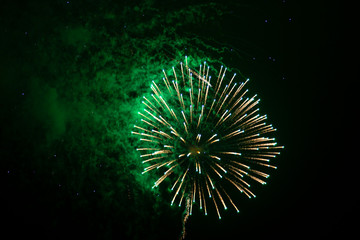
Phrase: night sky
{"type": "Point", "coordinates": [72, 75]}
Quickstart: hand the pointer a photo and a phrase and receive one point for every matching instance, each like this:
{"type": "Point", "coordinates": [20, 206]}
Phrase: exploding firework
{"type": "Point", "coordinates": [204, 137]}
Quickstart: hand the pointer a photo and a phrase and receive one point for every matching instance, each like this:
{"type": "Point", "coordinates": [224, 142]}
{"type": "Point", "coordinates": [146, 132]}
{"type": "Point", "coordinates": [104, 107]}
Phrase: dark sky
{"type": "Point", "coordinates": [67, 163]}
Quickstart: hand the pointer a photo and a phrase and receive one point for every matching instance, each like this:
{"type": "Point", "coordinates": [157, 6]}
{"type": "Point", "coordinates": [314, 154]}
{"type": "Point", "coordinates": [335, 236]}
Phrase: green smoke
{"type": "Point", "coordinates": [84, 70]}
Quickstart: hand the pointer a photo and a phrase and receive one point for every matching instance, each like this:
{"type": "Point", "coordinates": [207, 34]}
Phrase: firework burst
{"type": "Point", "coordinates": [205, 137]}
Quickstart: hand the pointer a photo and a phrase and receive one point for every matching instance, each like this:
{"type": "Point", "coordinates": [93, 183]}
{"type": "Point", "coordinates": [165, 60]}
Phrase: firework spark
{"type": "Point", "coordinates": [204, 136]}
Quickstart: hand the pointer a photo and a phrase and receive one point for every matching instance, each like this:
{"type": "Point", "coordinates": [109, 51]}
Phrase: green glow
{"type": "Point", "coordinates": [84, 85]}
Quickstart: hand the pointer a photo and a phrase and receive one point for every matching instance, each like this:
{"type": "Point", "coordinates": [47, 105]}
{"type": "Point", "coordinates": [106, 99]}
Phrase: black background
{"type": "Point", "coordinates": [314, 191]}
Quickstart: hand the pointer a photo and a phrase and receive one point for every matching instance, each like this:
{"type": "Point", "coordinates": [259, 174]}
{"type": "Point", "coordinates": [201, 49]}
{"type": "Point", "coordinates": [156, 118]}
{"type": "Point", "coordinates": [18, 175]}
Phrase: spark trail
{"type": "Point", "coordinates": [186, 216]}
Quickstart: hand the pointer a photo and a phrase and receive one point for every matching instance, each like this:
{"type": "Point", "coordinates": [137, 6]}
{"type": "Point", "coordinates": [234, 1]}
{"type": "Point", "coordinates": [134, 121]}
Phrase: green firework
{"type": "Point", "coordinates": [203, 135]}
